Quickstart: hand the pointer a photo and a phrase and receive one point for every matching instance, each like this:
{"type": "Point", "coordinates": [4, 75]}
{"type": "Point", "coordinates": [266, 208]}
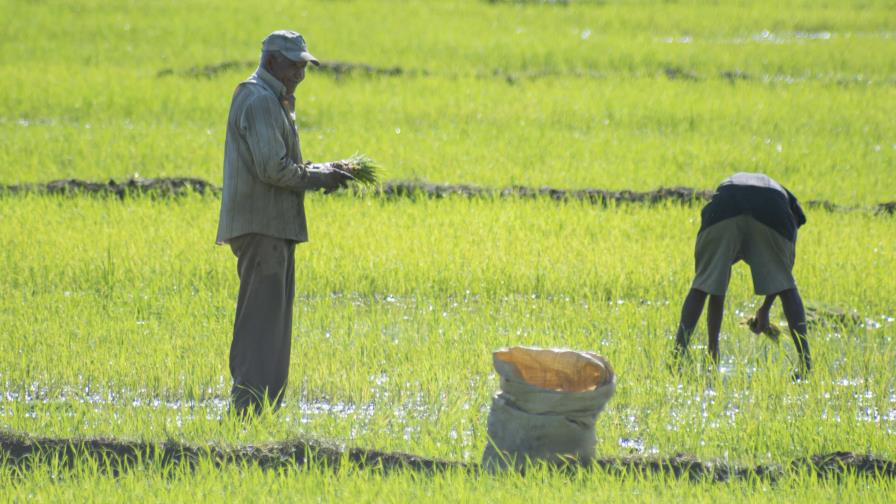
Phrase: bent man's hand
{"type": "Point", "coordinates": [759, 323]}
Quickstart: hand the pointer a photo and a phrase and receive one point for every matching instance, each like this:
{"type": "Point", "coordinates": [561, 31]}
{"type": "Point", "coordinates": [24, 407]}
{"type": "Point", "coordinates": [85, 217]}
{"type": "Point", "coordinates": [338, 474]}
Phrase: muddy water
{"type": "Point", "coordinates": [408, 418]}
{"type": "Point", "coordinates": [779, 37]}
{"type": "Point", "coordinates": [216, 406]}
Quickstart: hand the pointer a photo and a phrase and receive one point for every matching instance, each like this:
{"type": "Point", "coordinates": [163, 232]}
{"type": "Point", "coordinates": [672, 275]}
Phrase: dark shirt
{"type": "Point", "coordinates": [758, 196]}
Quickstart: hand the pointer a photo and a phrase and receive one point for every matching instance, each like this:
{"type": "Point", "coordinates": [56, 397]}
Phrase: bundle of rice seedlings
{"type": "Point", "coordinates": [771, 332]}
{"type": "Point", "coordinates": [362, 168]}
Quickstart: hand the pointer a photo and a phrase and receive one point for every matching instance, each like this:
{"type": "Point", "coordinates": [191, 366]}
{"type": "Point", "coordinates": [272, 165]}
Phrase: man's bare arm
{"type": "Point", "coordinates": [761, 319]}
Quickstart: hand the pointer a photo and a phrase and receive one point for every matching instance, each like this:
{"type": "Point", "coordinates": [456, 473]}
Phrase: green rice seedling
{"type": "Point", "coordinates": [771, 332]}
{"type": "Point", "coordinates": [207, 482]}
{"type": "Point", "coordinates": [393, 352]}
{"type": "Point", "coordinates": [600, 111]}
{"type": "Point", "coordinates": [360, 167]}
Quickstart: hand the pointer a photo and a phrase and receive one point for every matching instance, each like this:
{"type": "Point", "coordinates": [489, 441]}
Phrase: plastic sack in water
{"type": "Point", "coordinates": [547, 406]}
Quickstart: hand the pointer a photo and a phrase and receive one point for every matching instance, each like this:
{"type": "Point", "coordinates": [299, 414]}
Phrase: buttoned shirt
{"type": "Point", "coordinates": [264, 180]}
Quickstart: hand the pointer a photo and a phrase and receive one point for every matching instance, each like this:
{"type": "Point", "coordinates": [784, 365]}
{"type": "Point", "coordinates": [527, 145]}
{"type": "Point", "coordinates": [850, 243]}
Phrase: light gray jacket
{"type": "Point", "coordinates": [264, 180]}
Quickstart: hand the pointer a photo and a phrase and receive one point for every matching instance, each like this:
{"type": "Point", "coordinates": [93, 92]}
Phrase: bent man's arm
{"type": "Point", "coordinates": [761, 319]}
{"type": "Point", "coordinates": [271, 162]}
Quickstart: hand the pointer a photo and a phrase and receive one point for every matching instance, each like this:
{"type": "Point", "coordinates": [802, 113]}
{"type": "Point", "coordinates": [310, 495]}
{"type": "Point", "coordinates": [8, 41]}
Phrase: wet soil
{"type": "Point", "coordinates": [341, 69]}
{"type": "Point", "coordinates": [337, 68]}
{"type": "Point", "coordinates": [119, 455]}
{"type": "Point", "coordinates": [687, 466]}
{"type": "Point", "coordinates": [163, 187]}
{"type": "Point", "coordinates": [18, 450]}
{"type": "Point", "coordinates": [597, 196]}
{"type": "Point", "coordinates": [822, 315]}
{"type": "Point", "coordinates": [562, 3]}
{"type": "Point", "coordinates": [175, 186]}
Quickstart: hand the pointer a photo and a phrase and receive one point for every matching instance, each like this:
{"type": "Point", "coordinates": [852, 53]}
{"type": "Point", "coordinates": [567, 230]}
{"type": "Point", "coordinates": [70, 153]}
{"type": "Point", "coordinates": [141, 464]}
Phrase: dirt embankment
{"type": "Point", "coordinates": [340, 69]}
{"type": "Point", "coordinates": [598, 196]}
{"type": "Point", "coordinates": [337, 68]}
{"type": "Point", "coordinates": [176, 186]}
{"type": "Point", "coordinates": [163, 187]}
{"type": "Point", "coordinates": [119, 455]}
{"type": "Point", "coordinates": [18, 450]}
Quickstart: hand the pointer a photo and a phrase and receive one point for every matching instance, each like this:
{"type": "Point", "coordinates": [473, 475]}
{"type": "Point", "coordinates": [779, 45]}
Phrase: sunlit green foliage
{"type": "Point", "coordinates": [119, 315]}
{"type": "Point", "coordinates": [115, 315]}
{"type": "Point", "coordinates": [48, 482]}
{"type": "Point", "coordinates": [617, 95]}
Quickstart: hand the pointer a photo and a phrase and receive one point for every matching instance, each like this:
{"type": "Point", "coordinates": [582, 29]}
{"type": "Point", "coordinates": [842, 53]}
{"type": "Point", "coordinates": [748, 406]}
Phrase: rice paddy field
{"type": "Point", "coordinates": [116, 313]}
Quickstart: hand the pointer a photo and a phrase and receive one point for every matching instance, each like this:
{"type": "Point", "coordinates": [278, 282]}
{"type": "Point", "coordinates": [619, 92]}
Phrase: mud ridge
{"type": "Point", "coordinates": [337, 68]}
{"type": "Point", "coordinates": [341, 69]}
{"type": "Point", "coordinates": [178, 186]}
{"type": "Point", "coordinates": [563, 3]}
{"type": "Point", "coordinates": [682, 195]}
{"type": "Point", "coordinates": [402, 189]}
{"type": "Point", "coordinates": [119, 455]}
{"type": "Point", "coordinates": [163, 187]}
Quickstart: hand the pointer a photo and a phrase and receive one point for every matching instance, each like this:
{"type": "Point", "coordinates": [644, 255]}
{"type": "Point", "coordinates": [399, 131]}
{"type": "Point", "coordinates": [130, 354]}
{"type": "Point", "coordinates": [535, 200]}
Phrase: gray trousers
{"type": "Point", "coordinates": [262, 329]}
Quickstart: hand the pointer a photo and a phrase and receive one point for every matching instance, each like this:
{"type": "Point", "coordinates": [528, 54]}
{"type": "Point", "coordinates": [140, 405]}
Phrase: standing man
{"type": "Point", "coordinates": [754, 218]}
{"type": "Point", "coordinates": [263, 217]}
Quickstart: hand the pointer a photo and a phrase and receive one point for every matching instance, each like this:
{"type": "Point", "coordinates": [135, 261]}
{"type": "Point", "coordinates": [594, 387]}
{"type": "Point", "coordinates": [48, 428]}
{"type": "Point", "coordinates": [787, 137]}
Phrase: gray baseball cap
{"type": "Point", "coordinates": [290, 44]}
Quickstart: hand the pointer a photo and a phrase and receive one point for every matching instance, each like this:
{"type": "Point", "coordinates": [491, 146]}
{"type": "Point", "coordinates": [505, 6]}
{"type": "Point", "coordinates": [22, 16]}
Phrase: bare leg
{"type": "Point", "coordinates": [690, 314]}
{"type": "Point", "coordinates": [792, 304]}
{"type": "Point", "coordinates": [714, 325]}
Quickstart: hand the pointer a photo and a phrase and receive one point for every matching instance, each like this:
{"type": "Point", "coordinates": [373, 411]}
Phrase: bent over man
{"type": "Point", "coordinates": [263, 217]}
{"type": "Point", "coordinates": [755, 219]}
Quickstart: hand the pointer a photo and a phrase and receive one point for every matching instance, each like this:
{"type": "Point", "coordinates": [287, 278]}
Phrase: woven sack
{"type": "Point", "coordinates": [547, 406]}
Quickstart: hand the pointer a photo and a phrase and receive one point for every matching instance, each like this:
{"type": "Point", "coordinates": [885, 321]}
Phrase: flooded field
{"type": "Point", "coordinates": [394, 352]}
